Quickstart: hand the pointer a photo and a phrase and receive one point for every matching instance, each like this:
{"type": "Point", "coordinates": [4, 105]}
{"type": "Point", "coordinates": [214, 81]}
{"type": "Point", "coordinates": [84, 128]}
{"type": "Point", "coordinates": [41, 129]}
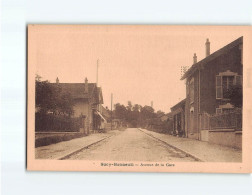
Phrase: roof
{"type": "Point", "coordinates": [166, 116]}
{"type": "Point", "coordinates": [77, 90]}
{"type": "Point", "coordinates": [178, 105]}
{"type": "Point", "coordinates": [105, 113]}
{"type": "Point", "coordinates": [211, 57]}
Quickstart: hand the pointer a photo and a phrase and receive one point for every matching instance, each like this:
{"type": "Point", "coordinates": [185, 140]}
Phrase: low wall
{"type": "Point", "coordinates": [225, 137]}
{"type": "Point", "coordinates": [204, 134]}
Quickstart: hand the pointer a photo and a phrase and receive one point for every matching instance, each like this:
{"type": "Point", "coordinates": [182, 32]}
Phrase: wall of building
{"type": "Point", "coordinates": [82, 106]}
{"type": "Point", "coordinates": [228, 61]}
{"type": "Point", "coordinates": [192, 130]}
{"type": "Point", "coordinates": [208, 103]}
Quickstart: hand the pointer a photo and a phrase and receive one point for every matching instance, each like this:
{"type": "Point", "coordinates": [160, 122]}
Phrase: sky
{"type": "Point", "coordinates": [136, 63]}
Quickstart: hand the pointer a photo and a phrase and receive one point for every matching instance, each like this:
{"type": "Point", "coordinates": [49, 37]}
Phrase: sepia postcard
{"type": "Point", "coordinates": [139, 98]}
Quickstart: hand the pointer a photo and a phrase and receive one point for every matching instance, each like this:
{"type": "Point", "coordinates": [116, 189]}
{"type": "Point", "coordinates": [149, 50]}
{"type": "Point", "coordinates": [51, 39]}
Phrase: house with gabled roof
{"type": "Point", "coordinates": [87, 103]}
{"type": "Point", "coordinates": [207, 83]}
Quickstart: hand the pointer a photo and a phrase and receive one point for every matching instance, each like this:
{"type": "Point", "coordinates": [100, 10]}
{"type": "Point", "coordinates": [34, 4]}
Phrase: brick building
{"type": "Point", "coordinates": [207, 82]}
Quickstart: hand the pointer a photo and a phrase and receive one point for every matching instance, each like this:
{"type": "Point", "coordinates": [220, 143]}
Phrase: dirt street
{"type": "Point", "coordinates": [131, 145]}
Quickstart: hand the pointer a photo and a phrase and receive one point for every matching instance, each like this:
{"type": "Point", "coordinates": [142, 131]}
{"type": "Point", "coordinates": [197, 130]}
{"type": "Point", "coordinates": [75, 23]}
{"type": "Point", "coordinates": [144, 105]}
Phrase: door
{"type": "Point", "coordinates": [179, 123]}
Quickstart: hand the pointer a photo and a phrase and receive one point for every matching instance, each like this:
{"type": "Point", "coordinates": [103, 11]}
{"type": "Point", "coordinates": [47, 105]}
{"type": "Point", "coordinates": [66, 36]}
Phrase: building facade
{"type": "Point", "coordinates": [207, 83]}
{"type": "Point", "coordinates": [178, 113]}
{"type": "Point", "coordinates": [87, 103]}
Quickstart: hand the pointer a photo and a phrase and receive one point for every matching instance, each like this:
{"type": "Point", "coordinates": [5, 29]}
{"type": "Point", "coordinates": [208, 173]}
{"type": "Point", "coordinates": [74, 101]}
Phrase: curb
{"type": "Point", "coordinates": [83, 148]}
{"type": "Point", "coordinates": [172, 146]}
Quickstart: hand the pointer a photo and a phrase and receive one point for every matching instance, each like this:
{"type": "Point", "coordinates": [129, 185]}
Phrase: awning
{"type": "Point", "coordinates": [100, 115]}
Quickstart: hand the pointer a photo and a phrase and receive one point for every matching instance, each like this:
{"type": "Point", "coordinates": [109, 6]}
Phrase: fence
{"type": "Point", "coordinates": [45, 122]}
{"type": "Point", "coordinates": [232, 120]}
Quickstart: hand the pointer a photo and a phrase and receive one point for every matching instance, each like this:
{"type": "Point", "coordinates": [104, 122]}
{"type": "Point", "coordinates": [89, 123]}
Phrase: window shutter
{"type": "Point", "coordinates": [219, 94]}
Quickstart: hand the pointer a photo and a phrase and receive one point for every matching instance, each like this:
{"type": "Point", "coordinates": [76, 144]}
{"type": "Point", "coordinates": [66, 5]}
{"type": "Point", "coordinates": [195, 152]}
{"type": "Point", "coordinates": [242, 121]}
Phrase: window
{"type": "Point", "coordinates": [218, 87]}
{"type": "Point", "coordinates": [227, 83]}
{"type": "Point", "coordinates": [224, 82]}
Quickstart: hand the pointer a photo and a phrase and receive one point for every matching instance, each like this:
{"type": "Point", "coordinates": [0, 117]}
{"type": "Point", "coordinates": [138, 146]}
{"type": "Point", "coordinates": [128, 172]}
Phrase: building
{"type": "Point", "coordinates": [207, 82]}
{"type": "Point", "coordinates": [88, 100]}
{"type": "Point", "coordinates": [178, 113]}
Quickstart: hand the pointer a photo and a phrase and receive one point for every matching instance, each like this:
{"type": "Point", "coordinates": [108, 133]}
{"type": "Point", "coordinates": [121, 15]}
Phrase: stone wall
{"type": "Point", "coordinates": [225, 137]}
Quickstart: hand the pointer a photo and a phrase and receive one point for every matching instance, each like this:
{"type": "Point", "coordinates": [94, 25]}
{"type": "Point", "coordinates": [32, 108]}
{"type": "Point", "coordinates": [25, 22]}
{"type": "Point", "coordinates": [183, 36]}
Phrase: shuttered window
{"type": "Point", "coordinates": [219, 93]}
{"type": "Point", "coordinates": [227, 83]}
{"type": "Point", "coordinates": [224, 83]}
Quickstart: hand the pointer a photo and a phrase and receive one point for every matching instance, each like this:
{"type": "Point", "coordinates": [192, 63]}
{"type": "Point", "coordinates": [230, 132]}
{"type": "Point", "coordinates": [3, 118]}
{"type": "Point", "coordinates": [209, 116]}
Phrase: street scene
{"type": "Point", "coordinates": [138, 99]}
{"type": "Point", "coordinates": [131, 145]}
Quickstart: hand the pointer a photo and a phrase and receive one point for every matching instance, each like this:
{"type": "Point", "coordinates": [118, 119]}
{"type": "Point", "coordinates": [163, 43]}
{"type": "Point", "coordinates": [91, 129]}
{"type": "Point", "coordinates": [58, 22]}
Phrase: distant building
{"type": "Point", "coordinates": [178, 113]}
{"type": "Point", "coordinates": [207, 82]}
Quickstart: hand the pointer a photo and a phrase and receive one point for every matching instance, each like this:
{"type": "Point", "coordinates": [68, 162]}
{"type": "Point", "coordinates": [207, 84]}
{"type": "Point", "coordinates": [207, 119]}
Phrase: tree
{"type": "Point", "coordinates": [44, 98]}
{"type": "Point", "coordinates": [48, 98]}
{"type": "Point", "coordinates": [65, 104]}
{"type": "Point", "coordinates": [235, 95]}
{"type": "Point", "coordinates": [120, 111]}
{"type": "Point", "coordinates": [147, 112]}
{"type": "Point", "coordinates": [129, 107]}
{"type": "Point", "coordinates": [160, 113]}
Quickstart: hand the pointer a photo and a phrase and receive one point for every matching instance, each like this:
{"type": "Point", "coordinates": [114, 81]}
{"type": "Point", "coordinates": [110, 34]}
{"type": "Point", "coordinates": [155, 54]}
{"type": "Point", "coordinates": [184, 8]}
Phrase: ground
{"type": "Point", "coordinates": [136, 144]}
{"type": "Point", "coordinates": [131, 145]}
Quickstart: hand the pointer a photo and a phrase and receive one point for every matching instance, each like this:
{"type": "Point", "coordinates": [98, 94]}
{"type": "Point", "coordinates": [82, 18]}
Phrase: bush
{"type": "Point", "coordinates": [46, 122]}
{"type": "Point", "coordinates": [56, 139]}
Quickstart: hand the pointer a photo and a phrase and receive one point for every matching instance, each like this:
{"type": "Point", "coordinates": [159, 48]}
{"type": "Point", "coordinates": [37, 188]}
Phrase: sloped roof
{"type": "Point", "coordinates": [211, 57]}
{"type": "Point", "coordinates": [180, 104]}
{"type": "Point", "coordinates": [105, 113]}
{"type": "Point", "coordinates": [77, 90]}
{"type": "Point", "coordinates": [166, 116]}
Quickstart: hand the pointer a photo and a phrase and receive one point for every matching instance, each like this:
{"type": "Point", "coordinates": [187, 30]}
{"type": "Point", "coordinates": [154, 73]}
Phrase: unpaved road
{"type": "Point", "coordinates": [131, 145]}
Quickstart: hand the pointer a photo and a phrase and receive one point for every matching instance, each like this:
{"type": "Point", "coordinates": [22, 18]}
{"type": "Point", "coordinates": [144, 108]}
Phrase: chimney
{"type": "Point", "coordinates": [86, 85]}
{"type": "Point", "coordinates": [207, 47]}
{"type": "Point", "coordinates": [194, 58]}
{"type": "Point", "coordinates": [57, 80]}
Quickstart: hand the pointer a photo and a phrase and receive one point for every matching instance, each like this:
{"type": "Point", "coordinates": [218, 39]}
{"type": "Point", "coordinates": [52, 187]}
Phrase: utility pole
{"type": "Point", "coordinates": [97, 72]}
{"type": "Point", "coordinates": [111, 108]}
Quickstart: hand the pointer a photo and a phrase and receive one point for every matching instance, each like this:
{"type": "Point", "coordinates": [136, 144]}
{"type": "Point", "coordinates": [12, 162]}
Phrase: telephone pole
{"type": "Point", "coordinates": [97, 72]}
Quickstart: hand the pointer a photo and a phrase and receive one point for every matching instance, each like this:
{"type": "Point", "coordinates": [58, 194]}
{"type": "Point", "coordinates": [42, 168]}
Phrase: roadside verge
{"type": "Point", "coordinates": [65, 149]}
{"type": "Point", "coordinates": [203, 151]}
